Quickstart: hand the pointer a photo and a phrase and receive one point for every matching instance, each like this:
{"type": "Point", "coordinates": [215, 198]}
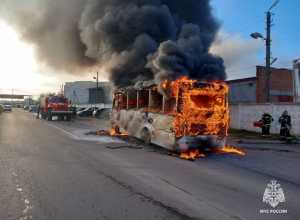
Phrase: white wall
{"type": "Point", "coordinates": [242, 116]}
{"type": "Point", "coordinates": [81, 91]}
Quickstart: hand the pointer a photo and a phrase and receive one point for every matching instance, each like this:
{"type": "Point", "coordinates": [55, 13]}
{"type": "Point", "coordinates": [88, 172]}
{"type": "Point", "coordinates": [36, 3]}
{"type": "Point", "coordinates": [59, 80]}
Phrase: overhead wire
{"type": "Point", "coordinates": [244, 29]}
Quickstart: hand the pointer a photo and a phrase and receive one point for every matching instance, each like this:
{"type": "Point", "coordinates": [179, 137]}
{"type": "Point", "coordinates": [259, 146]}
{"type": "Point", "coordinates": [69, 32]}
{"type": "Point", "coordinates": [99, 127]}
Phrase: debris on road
{"type": "Point", "coordinates": [130, 146]}
{"type": "Point", "coordinates": [103, 132]}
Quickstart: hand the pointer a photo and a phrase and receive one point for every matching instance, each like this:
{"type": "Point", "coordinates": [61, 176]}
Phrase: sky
{"type": "Point", "coordinates": [241, 53]}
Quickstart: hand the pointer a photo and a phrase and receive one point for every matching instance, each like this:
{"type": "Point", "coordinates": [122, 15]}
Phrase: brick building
{"type": "Point", "coordinates": [252, 90]}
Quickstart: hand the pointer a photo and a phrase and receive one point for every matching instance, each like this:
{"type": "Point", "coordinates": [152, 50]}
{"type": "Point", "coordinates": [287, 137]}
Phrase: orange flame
{"type": "Point", "coordinates": [111, 133]}
{"type": "Point", "coordinates": [201, 109]}
{"type": "Point", "coordinates": [191, 155]}
{"type": "Point", "coordinates": [165, 84]}
{"type": "Point", "coordinates": [229, 149]}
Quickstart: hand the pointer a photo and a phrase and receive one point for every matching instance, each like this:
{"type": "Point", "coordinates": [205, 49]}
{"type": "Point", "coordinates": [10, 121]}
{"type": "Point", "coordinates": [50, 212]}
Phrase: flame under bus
{"type": "Point", "coordinates": [196, 117]}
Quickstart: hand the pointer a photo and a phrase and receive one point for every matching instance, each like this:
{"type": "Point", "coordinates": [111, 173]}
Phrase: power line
{"type": "Point", "coordinates": [243, 68]}
{"type": "Point", "coordinates": [244, 29]}
{"type": "Point", "coordinates": [246, 22]}
{"type": "Point", "coordinates": [52, 75]}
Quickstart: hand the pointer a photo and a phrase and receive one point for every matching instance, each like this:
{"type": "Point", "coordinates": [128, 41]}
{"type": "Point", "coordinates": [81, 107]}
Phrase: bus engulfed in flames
{"type": "Point", "coordinates": [192, 118]}
{"type": "Point", "coordinates": [201, 114]}
{"type": "Point", "coordinates": [201, 108]}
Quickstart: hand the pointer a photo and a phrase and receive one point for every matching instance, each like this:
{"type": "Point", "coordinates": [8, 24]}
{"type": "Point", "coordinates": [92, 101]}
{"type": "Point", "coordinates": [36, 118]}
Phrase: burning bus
{"type": "Point", "coordinates": [195, 117]}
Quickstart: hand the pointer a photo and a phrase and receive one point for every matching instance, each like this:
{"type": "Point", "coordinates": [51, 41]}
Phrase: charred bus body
{"type": "Point", "coordinates": [195, 117]}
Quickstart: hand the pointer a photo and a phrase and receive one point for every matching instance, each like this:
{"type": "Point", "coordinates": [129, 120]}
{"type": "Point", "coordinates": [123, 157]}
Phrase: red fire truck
{"type": "Point", "coordinates": [55, 106]}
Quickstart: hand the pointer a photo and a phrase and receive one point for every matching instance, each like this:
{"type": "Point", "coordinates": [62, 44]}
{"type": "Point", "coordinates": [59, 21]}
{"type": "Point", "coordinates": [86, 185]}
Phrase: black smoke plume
{"type": "Point", "coordinates": [132, 40]}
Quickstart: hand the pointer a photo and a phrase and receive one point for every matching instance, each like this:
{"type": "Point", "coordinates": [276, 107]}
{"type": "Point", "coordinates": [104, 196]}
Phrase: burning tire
{"type": "Point", "coordinates": [145, 136]}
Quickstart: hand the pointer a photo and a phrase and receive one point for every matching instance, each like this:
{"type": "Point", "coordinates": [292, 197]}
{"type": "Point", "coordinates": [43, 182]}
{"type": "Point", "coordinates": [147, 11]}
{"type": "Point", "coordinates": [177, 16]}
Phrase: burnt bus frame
{"type": "Point", "coordinates": [122, 91]}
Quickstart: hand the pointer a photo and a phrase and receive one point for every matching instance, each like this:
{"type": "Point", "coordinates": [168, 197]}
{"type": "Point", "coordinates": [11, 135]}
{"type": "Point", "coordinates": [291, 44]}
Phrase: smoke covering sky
{"type": "Point", "coordinates": [137, 40]}
{"type": "Point", "coordinates": [131, 40]}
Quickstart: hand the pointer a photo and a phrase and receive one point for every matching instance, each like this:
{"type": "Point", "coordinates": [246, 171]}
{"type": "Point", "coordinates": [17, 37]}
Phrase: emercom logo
{"type": "Point", "coordinates": [273, 195]}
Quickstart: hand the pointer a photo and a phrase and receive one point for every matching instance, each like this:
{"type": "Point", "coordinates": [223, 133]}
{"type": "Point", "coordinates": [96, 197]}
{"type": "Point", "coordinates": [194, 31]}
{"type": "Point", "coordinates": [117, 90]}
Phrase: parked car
{"type": "Point", "coordinates": [26, 107]}
{"type": "Point", "coordinates": [32, 108]}
{"type": "Point", "coordinates": [87, 112]}
{"type": "Point", "coordinates": [80, 109]}
{"type": "Point", "coordinates": [7, 108]}
{"type": "Point", "coordinates": [102, 113]}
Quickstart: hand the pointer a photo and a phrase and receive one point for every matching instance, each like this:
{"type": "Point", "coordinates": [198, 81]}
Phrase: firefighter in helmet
{"type": "Point", "coordinates": [38, 111]}
{"type": "Point", "coordinates": [285, 121]}
{"type": "Point", "coordinates": [266, 120]}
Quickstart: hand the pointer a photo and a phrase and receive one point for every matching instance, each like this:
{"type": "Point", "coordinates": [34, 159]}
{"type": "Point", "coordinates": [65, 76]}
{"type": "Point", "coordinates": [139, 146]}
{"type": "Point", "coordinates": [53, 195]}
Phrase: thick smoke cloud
{"type": "Point", "coordinates": [132, 40]}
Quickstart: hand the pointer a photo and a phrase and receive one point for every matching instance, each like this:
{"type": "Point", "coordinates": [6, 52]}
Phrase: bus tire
{"type": "Point", "coordinates": [145, 136]}
{"type": "Point", "coordinates": [117, 129]}
{"type": "Point", "coordinates": [68, 117]}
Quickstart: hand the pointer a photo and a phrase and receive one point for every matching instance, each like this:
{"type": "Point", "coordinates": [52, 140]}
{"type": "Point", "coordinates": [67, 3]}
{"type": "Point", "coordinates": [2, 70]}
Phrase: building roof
{"type": "Point", "coordinates": [274, 68]}
{"type": "Point", "coordinates": [101, 84]}
{"type": "Point", "coordinates": [255, 77]}
{"type": "Point", "coordinates": [242, 80]}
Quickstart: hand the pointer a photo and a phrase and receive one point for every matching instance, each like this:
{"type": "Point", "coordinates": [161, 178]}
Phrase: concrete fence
{"type": "Point", "coordinates": [99, 105]}
{"type": "Point", "coordinates": [242, 116]}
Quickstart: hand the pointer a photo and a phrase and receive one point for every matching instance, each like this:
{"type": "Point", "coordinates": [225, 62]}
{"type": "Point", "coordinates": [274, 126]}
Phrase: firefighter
{"type": "Point", "coordinates": [285, 121]}
{"type": "Point", "coordinates": [74, 111]}
{"type": "Point", "coordinates": [38, 111]}
{"type": "Point", "coordinates": [266, 120]}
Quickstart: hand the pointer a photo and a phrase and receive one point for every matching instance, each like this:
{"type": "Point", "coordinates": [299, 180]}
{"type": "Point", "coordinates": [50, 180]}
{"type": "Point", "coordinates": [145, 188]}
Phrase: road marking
{"type": "Point", "coordinates": [62, 130]}
{"type": "Point", "coordinates": [52, 125]}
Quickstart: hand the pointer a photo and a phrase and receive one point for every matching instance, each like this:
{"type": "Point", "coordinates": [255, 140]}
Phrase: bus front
{"type": "Point", "coordinates": [201, 115]}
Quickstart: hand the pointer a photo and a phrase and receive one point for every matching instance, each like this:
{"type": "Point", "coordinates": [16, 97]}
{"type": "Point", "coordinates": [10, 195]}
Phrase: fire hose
{"type": "Point", "coordinates": [296, 136]}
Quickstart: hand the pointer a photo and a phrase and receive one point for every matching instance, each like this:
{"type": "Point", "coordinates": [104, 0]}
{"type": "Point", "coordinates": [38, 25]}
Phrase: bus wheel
{"type": "Point", "coordinates": [117, 129]}
{"type": "Point", "coordinates": [145, 136]}
{"type": "Point", "coordinates": [68, 117]}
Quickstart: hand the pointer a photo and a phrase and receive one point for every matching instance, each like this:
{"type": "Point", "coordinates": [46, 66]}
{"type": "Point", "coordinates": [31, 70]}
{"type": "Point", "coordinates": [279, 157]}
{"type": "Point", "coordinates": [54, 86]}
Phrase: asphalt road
{"type": "Point", "coordinates": [51, 170]}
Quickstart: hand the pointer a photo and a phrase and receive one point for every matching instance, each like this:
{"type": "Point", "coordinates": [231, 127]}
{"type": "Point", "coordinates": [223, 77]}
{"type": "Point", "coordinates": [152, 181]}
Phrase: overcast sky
{"type": "Point", "coordinates": [21, 74]}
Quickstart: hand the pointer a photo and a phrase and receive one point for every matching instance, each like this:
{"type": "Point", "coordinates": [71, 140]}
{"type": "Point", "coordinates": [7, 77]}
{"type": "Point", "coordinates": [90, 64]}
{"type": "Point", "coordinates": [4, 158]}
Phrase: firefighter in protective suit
{"type": "Point", "coordinates": [266, 120]}
{"type": "Point", "coordinates": [285, 121]}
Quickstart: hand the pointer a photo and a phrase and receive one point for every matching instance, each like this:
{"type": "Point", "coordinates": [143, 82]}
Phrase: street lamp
{"type": "Point", "coordinates": [268, 44]}
{"type": "Point", "coordinates": [96, 88]}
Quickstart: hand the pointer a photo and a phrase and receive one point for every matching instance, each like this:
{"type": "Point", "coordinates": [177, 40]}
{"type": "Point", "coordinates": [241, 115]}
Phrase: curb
{"type": "Point", "coordinates": [266, 142]}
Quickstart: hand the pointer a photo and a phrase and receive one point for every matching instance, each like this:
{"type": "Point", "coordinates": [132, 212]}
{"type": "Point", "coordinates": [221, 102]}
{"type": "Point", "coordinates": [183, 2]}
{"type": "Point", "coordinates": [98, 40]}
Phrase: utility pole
{"type": "Point", "coordinates": [268, 45]}
{"type": "Point", "coordinates": [97, 89]}
{"type": "Point", "coordinates": [268, 53]}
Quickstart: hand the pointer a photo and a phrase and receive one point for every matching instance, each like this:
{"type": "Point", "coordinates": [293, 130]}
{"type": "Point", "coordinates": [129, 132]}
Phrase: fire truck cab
{"type": "Point", "coordinates": [55, 106]}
